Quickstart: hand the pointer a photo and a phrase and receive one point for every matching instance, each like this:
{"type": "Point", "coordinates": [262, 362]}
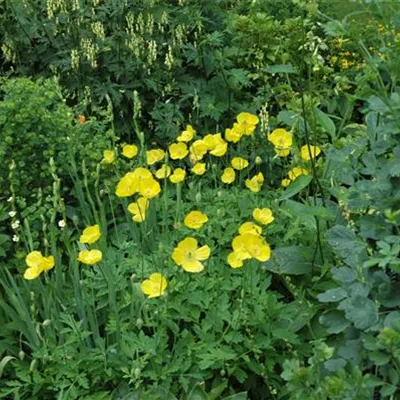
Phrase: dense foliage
{"type": "Point", "coordinates": [200, 200]}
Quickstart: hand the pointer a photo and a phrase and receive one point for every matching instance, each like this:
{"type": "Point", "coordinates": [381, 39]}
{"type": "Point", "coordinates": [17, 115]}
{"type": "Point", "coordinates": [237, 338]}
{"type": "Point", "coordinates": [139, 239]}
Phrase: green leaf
{"type": "Point", "coordinates": [292, 260]}
{"type": "Point", "coordinates": [325, 122]}
{"type": "Point", "coordinates": [281, 69]}
{"type": "Point", "coordinates": [361, 311]}
{"type": "Point", "coordinates": [237, 396]}
{"type": "Point", "coordinates": [197, 393]}
{"type": "Point", "coordinates": [334, 321]}
{"type": "Point", "coordinates": [379, 358]}
{"type": "Point", "coordinates": [5, 360]}
{"type": "Point", "coordinates": [296, 186]}
{"type": "Point", "coordinates": [332, 295]}
{"type": "Point", "coordinates": [216, 392]}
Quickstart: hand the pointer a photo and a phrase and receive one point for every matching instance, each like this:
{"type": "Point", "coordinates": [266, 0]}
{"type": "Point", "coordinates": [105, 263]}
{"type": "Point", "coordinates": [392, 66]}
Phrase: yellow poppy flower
{"type": "Point", "coordinates": [154, 286]}
{"type": "Point", "coordinates": [233, 135]}
{"type": "Point", "coordinates": [149, 188]}
{"type": "Point", "coordinates": [228, 176]}
{"type": "Point", "coordinates": [108, 156]}
{"type": "Point", "coordinates": [154, 156]}
{"type": "Point", "coordinates": [178, 175]}
{"type": "Point", "coordinates": [250, 227]}
{"type": "Point", "coordinates": [247, 123]}
{"type": "Point", "coordinates": [129, 151]}
{"type": "Point", "coordinates": [37, 263]}
{"type": "Point", "coordinates": [239, 248]}
{"type": "Point", "coordinates": [197, 150]}
{"type": "Point", "coordinates": [263, 215]}
{"type": "Point", "coordinates": [282, 141]}
{"type": "Point", "coordinates": [216, 145]}
{"type": "Point", "coordinates": [195, 219]}
{"type": "Point", "coordinates": [90, 235]}
{"type": "Point", "coordinates": [256, 247]}
{"type": "Point", "coordinates": [178, 151]}
{"type": "Point", "coordinates": [138, 209]}
{"type": "Point", "coordinates": [142, 173]}
{"type": "Point", "coordinates": [189, 256]}
{"type": "Point", "coordinates": [186, 135]}
{"type": "Point", "coordinates": [254, 184]}
{"type": "Point", "coordinates": [90, 257]}
{"type": "Point", "coordinates": [285, 182]}
{"type": "Point", "coordinates": [296, 172]}
{"type": "Point", "coordinates": [234, 261]}
{"type": "Point", "coordinates": [164, 172]}
{"type": "Point", "coordinates": [239, 163]}
{"type": "Point", "coordinates": [305, 154]}
{"type": "Point", "coordinates": [199, 168]}
{"type": "Point", "coordinates": [128, 185]}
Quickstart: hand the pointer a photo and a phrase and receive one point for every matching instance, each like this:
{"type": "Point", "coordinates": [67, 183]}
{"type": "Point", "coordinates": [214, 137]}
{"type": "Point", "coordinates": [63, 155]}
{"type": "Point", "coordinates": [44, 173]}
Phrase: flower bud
{"type": "Point", "coordinates": [198, 197]}
{"type": "Point", "coordinates": [46, 323]}
{"type": "Point", "coordinates": [258, 160]}
{"type": "Point", "coordinates": [139, 323]}
{"type": "Point", "coordinates": [21, 355]}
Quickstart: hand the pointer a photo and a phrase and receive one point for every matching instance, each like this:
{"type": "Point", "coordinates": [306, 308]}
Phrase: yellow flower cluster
{"type": "Point", "coordinates": [249, 243]}
{"type": "Point", "coordinates": [90, 235]}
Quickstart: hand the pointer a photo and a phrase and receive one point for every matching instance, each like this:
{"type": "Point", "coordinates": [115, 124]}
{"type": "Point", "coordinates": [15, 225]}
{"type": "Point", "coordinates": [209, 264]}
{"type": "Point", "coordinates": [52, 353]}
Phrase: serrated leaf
{"type": "Point", "coordinates": [361, 311]}
{"type": "Point", "coordinates": [197, 393]}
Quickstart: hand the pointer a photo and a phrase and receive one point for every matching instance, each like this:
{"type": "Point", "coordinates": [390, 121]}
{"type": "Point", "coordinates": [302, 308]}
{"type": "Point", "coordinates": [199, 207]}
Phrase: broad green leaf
{"type": "Point", "coordinates": [292, 260]}
{"type": "Point", "coordinates": [296, 186]}
{"type": "Point", "coordinates": [325, 122]}
{"type": "Point", "coordinates": [334, 321]}
{"type": "Point", "coordinates": [361, 311]}
{"type": "Point", "coordinates": [216, 392]}
{"type": "Point", "coordinates": [332, 295]}
{"type": "Point", "coordinates": [281, 69]}
{"type": "Point", "coordinates": [335, 364]}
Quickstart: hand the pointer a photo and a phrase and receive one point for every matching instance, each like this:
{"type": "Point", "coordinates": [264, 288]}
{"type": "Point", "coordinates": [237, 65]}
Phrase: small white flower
{"type": "Point", "coordinates": [15, 224]}
{"type": "Point", "coordinates": [12, 214]}
{"type": "Point", "coordinates": [15, 238]}
{"type": "Point", "coordinates": [10, 199]}
{"type": "Point", "coordinates": [62, 224]}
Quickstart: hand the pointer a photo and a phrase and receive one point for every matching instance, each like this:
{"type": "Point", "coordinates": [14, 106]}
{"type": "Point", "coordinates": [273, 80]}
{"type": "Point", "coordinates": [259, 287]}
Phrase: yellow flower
{"type": "Point", "coordinates": [129, 150]}
{"type": "Point", "coordinates": [197, 150]}
{"type": "Point", "coordinates": [90, 257]}
{"type": "Point", "coordinates": [187, 135]}
{"type": "Point", "coordinates": [195, 220]}
{"type": "Point", "coordinates": [255, 183]}
{"type": "Point", "coordinates": [128, 185]}
{"type": "Point", "coordinates": [178, 151]}
{"type": "Point", "coordinates": [90, 235]}
{"type": "Point", "coordinates": [228, 176]}
{"type": "Point", "coordinates": [216, 145]}
{"type": "Point", "coordinates": [239, 248]}
{"type": "Point", "coordinates": [285, 182]}
{"type": "Point", "coordinates": [199, 168]}
{"type": "Point", "coordinates": [250, 227]}
{"type": "Point", "coordinates": [282, 141]}
{"type": "Point", "coordinates": [239, 163]}
{"type": "Point", "coordinates": [247, 123]}
{"type": "Point", "coordinates": [154, 286]}
{"type": "Point", "coordinates": [178, 175]}
{"type": "Point", "coordinates": [256, 247]}
{"type": "Point", "coordinates": [154, 156]}
{"type": "Point", "coordinates": [233, 135]}
{"type": "Point", "coordinates": [234, 261]}
{"type": "Point", "coordinates": [138, 209]}
{"type": "Point", "coordinates": [37, 263]}
{"type": "Point", "coordinates": [263, 215]}
{"type": "Point", "coordinates": [149, 188]}
{"type": "Point", "coordinates": [142, 173]}
{"type": "Point", "coordinates": [164, 172]}
{"type": "Point", "coordinates": [296, 172]}
{"type": "Point", "coordinates": [305, 154]}
{"type": "Point", "coordinates": [108, 156]}
{"type": "Point", "coordinates": [188, 255]}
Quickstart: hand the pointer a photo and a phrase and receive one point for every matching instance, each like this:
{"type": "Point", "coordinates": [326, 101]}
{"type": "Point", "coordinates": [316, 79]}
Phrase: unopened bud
{"type": "Point", "coordinates": [139, 323]}
{"type": "Point", "coordinates": [21, 355]}
{"type": "Point", "coordinates": [198, 197]}
{"type": "Point", "coordinates": [258, 160]}
{"type": "Point", "coordinates": [46, 322]}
